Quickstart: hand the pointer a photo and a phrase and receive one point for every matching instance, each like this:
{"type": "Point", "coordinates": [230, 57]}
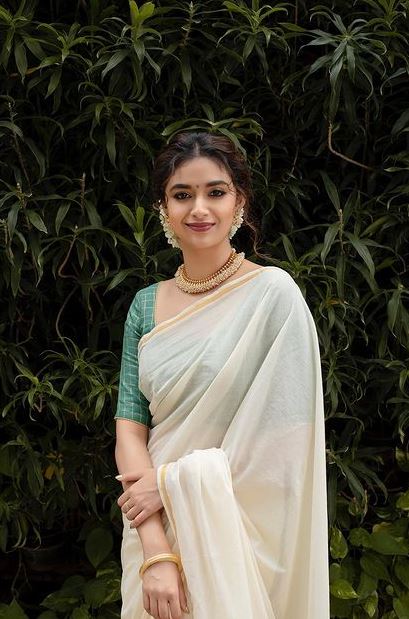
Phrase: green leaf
{"type": "Point", "coordinates": [59, 602]}
{"type": "Point", "coordinates": [13, 128]}
{"type": "Point", "coordinates": [114, 61]}
{"type": "Point", "coordinates": [140, 215]}
{"type": "Point", "coordinates": [335, 572]}
{"type": "Point", "coordinates": [98, 546]}
{"type": "Point", "coordinates": [74, 586]}
{"type": "Point", "coordinates": [370, 605]}
{"type": "Point", "coordinates": [385, 544]}
{"type": "Point", "coordinates": [95, 593]}
{"type": "Point", "coordinates": [401, 606]}
{"type": "Point", "coordinates": [127, 215]}
{"type": "Point", "coordinates": [54, 82]}
{"type": "Point", "coordinates": [292, 27]}
{"type": "Point", "coordinates": [402, 123]}
{"type": "Point", "coordinates": [360, 537]}
{"type": "Point", "coordinates": [110, 142]}
{"type": "Point", "coordinates": [402, 459]}
{"type": "Point", "coordinates": [331, 190]}
{"type": "Point", "coordinates": [343, 589]}
{"type": "Point", "coordinates": [80, 613]}
{"type": "Point", "coordinates": [21, 58]}
{"type": "Point", "coordinates": [38, 155]}
{"type": "Point", "coordinates": [367, 585]}
{"type": "Point", "coordinates": [36, 220]}
{"type": "Point", "coordinates": [146, 11]}
{"type": "Point", "coordinates": [401, 569]}
{"type": "Point", "coordinates": [393, 307]}
{"type": "Point", "coordinates": [288, 248]}
{"type": "Point", "coordinates": [120, 277]}
{"type": "Point", "coordinates": [13, 611]}
{"type": "Point", "coordinates": [403, 501]}
{"type": "Point", "coordinates": [363, 251]}
{"type": "Point", "coordinates": [331, 233]}
{"type": "Point", "coordinates": [93, 215]}
{"type": "Point", "coordinates": [338, 545]}
{"type": "Point", "coordinates": [12, 218]}
{"type": "Point", "coordinates": [134, 11]}
{"type": "Point", "coordinates": [249, 46]}
{"type": "Point", "coordinates": [186, 70]}
{"type": "Point", "coordinates": [374, 566]}
{"type": "Point", "coordinates": [61, 214]}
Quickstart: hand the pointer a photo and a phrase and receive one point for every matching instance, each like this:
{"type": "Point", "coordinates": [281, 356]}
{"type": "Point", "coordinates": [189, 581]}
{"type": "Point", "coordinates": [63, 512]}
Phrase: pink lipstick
{"type": "Point", "coordinates": [200, 227]}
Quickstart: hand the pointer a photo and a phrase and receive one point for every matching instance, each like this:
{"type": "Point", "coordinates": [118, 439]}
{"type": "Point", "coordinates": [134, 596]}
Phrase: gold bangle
{"type": "Point", "coordinates": [164, 556]}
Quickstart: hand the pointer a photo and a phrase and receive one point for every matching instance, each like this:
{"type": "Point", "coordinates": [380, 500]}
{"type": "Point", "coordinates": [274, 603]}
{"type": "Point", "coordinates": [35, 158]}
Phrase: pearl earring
{"type": "Point", "coordinates": [169, 233]}
{"type": "Point", "coordinates": [237, 221]}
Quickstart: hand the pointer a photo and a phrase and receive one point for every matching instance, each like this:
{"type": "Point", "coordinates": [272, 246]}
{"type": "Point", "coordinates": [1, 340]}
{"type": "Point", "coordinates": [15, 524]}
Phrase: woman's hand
{"type": "Point", "coordinates": [164, 595]}
{"type": "Point", "coordinates": [141, 499]}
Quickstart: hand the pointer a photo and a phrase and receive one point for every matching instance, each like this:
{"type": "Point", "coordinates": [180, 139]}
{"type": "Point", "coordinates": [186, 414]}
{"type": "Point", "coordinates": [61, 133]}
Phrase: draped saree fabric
{"type": "Point", "coordinates": [235, 391]}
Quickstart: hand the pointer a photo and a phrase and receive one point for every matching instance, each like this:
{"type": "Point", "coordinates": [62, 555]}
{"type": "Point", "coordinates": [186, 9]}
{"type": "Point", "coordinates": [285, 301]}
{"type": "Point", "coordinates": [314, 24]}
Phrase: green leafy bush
{"type": "Point", "coordinates": [317, 96]}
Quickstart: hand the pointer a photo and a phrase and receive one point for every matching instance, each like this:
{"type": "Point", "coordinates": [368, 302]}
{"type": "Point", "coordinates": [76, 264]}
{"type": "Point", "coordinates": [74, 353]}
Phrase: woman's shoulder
{"type": "Point", "coordinates": [279, 281]}
{"type": "Point", "coordinates": [143, 301]}
{"type": "Point", "coordinates": [278, 275]}
{"type": "Point", "coordinates": [146, 291]}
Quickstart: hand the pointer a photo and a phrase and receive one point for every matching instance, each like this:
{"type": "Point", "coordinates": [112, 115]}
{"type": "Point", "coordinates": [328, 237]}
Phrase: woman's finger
{"type": "Point", "coordinates": [146, 603]}
{"type": "Point", "coordinates": [132, 475]}
{"type": "Point", "coordinates": [175, 609]}
{"type": "Point", "coordinates": [140, 518]}
{"type": "Point", "coordinates": [163, 608]}
{"type": "Point", "coordinates": [132, 512]}
{"type": "Point", "coordinates": [154, 607]}
{"type": "Point", "coordinates": [123, 498]}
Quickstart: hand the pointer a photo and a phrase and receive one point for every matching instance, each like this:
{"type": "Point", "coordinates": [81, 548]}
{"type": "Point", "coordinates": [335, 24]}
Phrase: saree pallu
{"type": "Point", "coordinates": [235, 391]}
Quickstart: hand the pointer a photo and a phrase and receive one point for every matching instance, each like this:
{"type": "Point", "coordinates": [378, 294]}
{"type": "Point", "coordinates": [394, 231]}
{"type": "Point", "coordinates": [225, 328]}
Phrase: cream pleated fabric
{"type": "Point", "coordinates": [235, 388]}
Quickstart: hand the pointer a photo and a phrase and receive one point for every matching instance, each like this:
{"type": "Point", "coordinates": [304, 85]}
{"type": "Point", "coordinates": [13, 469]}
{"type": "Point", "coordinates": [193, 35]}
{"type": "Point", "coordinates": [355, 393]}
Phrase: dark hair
{"type": "Point", "coordinates": [185, 146]}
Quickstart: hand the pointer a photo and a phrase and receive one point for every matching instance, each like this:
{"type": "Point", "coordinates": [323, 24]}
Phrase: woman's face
{"type": "Point", "coordinates": [201, 201]}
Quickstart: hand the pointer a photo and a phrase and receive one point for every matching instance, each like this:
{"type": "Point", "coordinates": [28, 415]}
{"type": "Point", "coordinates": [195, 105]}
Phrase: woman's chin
{"type": "Point", "coordinates": [198, 241]}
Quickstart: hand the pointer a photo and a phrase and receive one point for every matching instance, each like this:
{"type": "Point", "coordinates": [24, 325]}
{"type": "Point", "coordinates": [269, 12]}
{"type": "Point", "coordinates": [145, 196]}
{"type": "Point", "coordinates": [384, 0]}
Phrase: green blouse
{"type": "Point", "coordinates": [132, 404]}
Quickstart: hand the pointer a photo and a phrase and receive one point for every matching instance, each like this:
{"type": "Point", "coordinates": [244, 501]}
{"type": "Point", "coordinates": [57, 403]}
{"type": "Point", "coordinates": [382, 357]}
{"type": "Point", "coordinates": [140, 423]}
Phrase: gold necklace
{"type": "Point", "coordinates": [195, 286]}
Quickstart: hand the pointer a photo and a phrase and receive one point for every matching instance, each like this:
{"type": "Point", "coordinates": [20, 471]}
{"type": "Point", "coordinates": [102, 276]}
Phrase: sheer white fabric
{"type": "Point", "coordinates": [235, 388]}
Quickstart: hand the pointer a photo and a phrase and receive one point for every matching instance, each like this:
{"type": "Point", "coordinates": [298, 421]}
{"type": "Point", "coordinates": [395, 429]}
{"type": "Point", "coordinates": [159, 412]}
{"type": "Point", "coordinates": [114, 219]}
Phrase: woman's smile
{"type": "Point", "coordinates": [202, 227]}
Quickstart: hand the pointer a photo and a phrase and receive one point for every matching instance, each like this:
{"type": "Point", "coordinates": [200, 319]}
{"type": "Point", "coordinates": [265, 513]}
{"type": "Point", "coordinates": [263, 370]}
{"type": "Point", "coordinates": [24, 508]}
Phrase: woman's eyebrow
{"type": "Point", "coordinates": [209, 184]}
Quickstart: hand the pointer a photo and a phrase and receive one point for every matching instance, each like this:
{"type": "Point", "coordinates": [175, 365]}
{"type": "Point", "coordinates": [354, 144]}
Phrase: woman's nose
{"type": "Point", "coordinates": [199, 205]}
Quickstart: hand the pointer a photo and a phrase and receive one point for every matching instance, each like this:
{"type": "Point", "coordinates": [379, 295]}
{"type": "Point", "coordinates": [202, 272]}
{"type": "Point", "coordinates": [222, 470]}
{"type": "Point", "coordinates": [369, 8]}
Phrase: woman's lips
{"type": "Point", "coordinates": [200, 227]}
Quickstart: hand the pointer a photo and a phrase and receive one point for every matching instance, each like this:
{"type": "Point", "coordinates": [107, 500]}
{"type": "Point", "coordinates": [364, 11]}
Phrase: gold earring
{"type": "Point", "coordinates": [167, 228]}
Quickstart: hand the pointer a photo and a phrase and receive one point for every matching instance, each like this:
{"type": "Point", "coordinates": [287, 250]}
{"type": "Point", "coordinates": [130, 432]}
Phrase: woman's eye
{"type": "Point", "coordinates": [215, 193]}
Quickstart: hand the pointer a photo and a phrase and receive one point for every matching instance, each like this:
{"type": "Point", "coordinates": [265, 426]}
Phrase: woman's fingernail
{"type": "Point", "coordinates": [118, 477]}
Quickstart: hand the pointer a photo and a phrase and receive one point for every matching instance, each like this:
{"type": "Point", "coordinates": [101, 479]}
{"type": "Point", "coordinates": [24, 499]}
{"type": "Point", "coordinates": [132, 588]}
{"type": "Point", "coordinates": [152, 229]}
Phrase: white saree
{"type": "Point", "coordinates": [234, 384]}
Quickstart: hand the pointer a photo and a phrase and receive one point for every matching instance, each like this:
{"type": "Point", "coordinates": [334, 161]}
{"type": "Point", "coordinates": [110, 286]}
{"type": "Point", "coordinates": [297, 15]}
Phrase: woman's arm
{"type": "Point", "coordinates": [132, 454]}
{"type": "Point", "coordinates": [162, 585]}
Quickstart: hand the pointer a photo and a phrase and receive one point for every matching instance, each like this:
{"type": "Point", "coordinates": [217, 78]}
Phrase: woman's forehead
{"type": "Point", "coordinates": [200, 171]}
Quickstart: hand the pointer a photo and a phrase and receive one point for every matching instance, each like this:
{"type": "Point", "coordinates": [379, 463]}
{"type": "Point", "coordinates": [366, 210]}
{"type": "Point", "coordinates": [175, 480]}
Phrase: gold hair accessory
{"type": "Point", "coordinates": [164, 556]}
{"type": "Point", "coordinates": [195, 286]}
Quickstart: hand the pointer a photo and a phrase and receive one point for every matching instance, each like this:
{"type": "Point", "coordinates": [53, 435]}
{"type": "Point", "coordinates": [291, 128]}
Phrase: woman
{"type": "Point", "coordinates": [220, 430]}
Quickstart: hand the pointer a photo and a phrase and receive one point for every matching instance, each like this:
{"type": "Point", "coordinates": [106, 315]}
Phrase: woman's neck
{"type": "Point", "coordinates": [200, 263]}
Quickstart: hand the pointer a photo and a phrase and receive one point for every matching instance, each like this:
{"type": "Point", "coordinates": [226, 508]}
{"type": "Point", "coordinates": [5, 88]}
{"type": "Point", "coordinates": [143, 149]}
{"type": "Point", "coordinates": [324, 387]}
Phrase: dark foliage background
{"type": "Point", "coordinates": [318, 97]}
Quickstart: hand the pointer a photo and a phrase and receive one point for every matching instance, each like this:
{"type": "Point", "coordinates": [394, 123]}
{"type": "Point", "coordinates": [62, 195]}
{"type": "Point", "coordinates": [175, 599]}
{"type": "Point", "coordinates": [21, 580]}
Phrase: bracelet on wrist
{"type": "Point", "coordinates": [164, 556]}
